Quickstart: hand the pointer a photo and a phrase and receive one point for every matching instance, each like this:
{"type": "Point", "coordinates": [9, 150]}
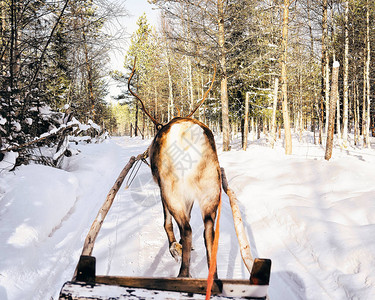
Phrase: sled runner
{"type": "Point", "coordinates": [86, 284]}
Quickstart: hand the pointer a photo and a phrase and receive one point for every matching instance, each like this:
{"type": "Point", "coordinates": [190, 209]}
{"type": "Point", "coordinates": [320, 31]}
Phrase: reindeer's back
{"type": "Point", "coordinates": [184, 159]}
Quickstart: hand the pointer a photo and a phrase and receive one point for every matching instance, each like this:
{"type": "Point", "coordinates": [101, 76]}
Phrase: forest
{"type": "Point", "coordinates": [274, 63]}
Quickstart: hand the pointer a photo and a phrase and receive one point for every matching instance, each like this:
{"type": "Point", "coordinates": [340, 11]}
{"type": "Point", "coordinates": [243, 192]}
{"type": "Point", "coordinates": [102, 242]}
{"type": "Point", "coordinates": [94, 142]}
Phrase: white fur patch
{"type": "Point", "coordinates": [185, 145]}
{"type": "Point", "coordinates": [188, 172]}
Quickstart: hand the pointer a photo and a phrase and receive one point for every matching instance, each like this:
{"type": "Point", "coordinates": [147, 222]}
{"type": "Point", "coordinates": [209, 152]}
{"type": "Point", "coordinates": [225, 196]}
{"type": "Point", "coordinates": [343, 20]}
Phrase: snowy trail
{"type": "Point", "coordinates": [39, 264]}
{"type": "Point", "coordinates": [314, 219]}
{"type": "Point", "coordinates": [311, 213]}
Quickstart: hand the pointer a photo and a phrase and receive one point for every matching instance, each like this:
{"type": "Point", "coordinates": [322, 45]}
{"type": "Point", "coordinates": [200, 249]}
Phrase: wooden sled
{"type": "Point", "coordinates": [87, 285]}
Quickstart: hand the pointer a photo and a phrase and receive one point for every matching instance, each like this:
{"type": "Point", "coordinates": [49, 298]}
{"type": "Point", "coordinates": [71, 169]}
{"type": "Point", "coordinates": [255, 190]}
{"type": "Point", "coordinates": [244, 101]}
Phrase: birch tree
{"type": "Point", "coordinates": [224, 78]}
{"type": "Point", "coordinates": [217, 32]}
{"type": "Point", "coordinates": [366, 97]}
{"type": "Point", "coordinates": [346, 74]}
{"type": "Point", "coordinates": [284, 83]}
{"type": "Point", "coordinates": [332, 110]}
{"type": "Point", "coordinates": [274, 108]}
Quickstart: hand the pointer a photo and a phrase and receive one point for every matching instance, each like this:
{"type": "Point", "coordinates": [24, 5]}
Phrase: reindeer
{"type": "Point", "coordinates": [185, 165]}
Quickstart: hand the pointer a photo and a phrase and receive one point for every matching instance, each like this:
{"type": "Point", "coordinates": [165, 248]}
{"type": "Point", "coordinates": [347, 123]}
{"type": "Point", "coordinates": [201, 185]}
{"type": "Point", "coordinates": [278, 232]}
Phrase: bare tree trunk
{"type": "Point", "coordinates": [252, 128]}
{"type": "Point", "coordinates": [246, 123]}
{"type": "Point", "coordinates": [89, 78]}
{"type": "Point", "coordinates": [324, 58]}
{"type": "Point", "coordinates": [327, 91]}
{"type": "Point", "coordinates": [224, 79]}
{"type": "Point", "coordinates": [356, 113]}
{"type": "Point", "coordinates": [299, 109]}
{"type": "Point", "coordinates": [136, 118]}
{"type": "Point", "coordinates": [190, 82]}
{"type": "Point", "coordinates": [315, 105]}
{"type": "Point", "coordinates": [273, 128]}
{"type": "Point", "coordinates": [13, 35]}
{"type": "Point", "coordinates": [284, 86]}
{"type": "Point", "coordinates": [338, 115]}
{"type": "Point", "coordinates": [338, 118]}
{"type": "Point", "coordinates": [332, 109]}
{"type": "Point", "coordinates": [346, 75]}
{"type": "Point", "coordinates": [143, 126]}
{"type": "Point", "coordinates": [156, 103]}
{"type": "Point", "coordinates": [170, 83]}
{"type": "Point", "coordinates": [188, 63]}
{"type": "Point", "coordinates": [366, 97]}
{"type": "Point", "coordinates": [203, 116]}
{"type": "Point", "coordinates": [170, 89]}
{"type": "Point", "coordinates": [3, 42]}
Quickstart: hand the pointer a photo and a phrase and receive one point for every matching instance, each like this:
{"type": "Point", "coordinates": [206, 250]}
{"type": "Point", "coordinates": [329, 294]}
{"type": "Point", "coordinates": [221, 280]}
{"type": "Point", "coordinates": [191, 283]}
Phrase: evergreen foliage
{"type": "Point", "coordinates": [53, 58]}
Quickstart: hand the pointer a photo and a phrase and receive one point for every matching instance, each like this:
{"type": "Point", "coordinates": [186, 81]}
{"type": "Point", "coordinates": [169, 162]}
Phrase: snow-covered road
{"type": "Point", "coordinates": [315, 220]}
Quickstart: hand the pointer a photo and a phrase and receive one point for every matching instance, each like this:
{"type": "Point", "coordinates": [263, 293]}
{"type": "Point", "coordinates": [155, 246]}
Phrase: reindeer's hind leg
{"type": "Point", "coordinates": [209, 233]}
{"type": "Point", "coordinates": [181, 213]}
{"type": "Point", "coordinates": [208, 209]}
{"type": "Point", "coordinates": [186, 241]}
{"type": "Point", "coordinates": [174, 248]}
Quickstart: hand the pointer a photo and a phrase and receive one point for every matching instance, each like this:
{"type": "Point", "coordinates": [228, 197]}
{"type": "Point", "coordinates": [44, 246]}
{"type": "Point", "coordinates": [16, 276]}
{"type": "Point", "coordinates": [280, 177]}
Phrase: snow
{"type": "Point", "coordinates": [8, 162]}
{"type": "Point", "coordinates": [29, 121]}
{"type": "Point", "coordinates": [314, 218]}
{"type": "Point", "coordinates": [16, 126]}
{"type": "Point", "coordinates": [94, 125]}
{"type": "Point", "coordinates": [45, 111]}
{"type": "Point", "coordinates": [74, 121]}
{"type": "Point", "coordinates": [2, 120]}
{"type": "Point", "coordinates": [84, 127]}
{"type": "Point", "coordinates": [102, 292]}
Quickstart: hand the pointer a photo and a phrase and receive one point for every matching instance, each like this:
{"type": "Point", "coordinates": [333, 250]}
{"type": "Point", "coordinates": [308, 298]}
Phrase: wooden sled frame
{"type": "Point", "coordinates": [255, 288]}
{"type": "Point", "coordinates": [85, 278]}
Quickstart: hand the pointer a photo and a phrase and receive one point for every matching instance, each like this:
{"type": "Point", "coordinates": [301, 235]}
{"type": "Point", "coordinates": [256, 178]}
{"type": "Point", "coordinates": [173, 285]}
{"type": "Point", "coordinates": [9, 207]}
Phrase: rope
{"type": "Point", "coordinates": [211, 271]}
{"type": "Point", "coordinates": [130, 179]}
{"type": "Point", "coordinates": [140, 158]}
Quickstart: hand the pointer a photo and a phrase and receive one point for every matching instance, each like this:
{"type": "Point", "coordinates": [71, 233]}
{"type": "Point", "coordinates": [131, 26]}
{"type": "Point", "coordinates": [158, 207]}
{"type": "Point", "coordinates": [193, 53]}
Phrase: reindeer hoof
{"type": "Point", "coordinates": [176, 250]}
{"type": "Point", "coordinates": [184, 275]}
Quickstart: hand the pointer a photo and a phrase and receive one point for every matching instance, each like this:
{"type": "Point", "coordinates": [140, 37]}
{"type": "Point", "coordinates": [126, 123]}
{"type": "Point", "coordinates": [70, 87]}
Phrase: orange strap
{"type": "Point", "coordinates": [211, 271]}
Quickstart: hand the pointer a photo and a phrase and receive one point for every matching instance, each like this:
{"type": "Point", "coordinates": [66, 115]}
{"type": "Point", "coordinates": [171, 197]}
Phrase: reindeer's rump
{"type": "Point", "coordinates": [184, 160]}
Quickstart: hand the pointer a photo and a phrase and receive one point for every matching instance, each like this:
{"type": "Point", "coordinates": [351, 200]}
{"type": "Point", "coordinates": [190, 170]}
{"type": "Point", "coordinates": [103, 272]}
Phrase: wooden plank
{"type": "Point", "coordinates": [86, 269]}
{"type": "Point", "coordinates": [83, 291]}
{"type": "Point", "coordinates": [255, 288]}
{"type": "Point", "coordinates": [188, 285]}
{"type": "Point", "coordinates": [261, 271]}
{"type": "Point", "coordinates": [225, 287]}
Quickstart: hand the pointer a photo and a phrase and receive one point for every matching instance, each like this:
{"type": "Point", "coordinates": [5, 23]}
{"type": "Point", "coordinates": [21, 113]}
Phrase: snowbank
{"type": "Point", "coordinates": [35, 190]}
{"type": "Point", "coordinates": [8, 162]}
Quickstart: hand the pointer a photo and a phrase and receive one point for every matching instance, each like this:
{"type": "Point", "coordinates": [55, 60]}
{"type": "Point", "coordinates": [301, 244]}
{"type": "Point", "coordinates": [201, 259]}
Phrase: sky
{"type": "Point", "coordinates": [134, 8]}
